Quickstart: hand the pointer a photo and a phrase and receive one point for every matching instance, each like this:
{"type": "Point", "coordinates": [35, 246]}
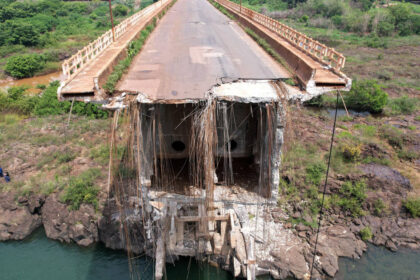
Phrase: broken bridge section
{"type": "Point", "coordinates": [188, 168]}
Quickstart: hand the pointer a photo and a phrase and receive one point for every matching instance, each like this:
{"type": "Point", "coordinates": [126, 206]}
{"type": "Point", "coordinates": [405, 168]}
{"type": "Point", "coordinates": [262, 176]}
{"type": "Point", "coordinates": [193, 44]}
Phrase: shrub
{"type": "Point", "coordinates": [21, 32]}
{"type": "Point", "coordinates": [415, 22]}
{"type": "Point", "coordinates": [353, 197]}
{"type": "Point", "coordinates": [48, 104]}
{"type": "Point", "coordinates": [378, 207]}
{"type": "Point", "coordinates": [26, 65]}
{"type": "Point", "coordinates": [304, 19]}
{"type": "Point", "coordinates": [82, 190]}
{"type": "Point", "coordinates": [366, 95]}
{"type": "Point", "coordinates": [376, 42]}
{"type": "Point", "coordinates": [45, 104]}
{"type": "Point", "coordinates": [413, 206]}
{"type": "Point", "coordinates": [351, 152]}
{"type": "Point", "coordinates": [337, 20]}
{"type": "Point", "coordinates": [366, 233]}
{"type": "Point", "coordinates": [402, 105]}
{"type": "Point", "coordinates": [385, 28]}
{"type": "Point", "coordinates": [393, 135]}
{"type": "Point", "coordinates": [384, 75]}
{"type": "Point", "coordinates": [400, 12]}
{"type": "Point", "coordinates": [66, 157]}
{"type": "Point", "coordinates": [120, 10]}
{"type": "Point", "coordinates": [315, 173]}
{"type": "Point", "coordinates": [408, 154]}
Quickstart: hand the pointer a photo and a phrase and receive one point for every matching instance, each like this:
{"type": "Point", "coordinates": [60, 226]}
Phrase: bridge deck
{"type": "Point", "coordinates": [191, 50]}
{"type": "Point", "coordinates": [83, 82]}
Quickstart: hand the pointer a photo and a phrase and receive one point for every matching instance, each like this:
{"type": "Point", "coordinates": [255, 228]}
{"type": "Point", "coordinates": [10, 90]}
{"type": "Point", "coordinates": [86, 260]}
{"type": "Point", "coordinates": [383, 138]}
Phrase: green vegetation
{"type": "Point", "coordinates": [366, 233]}
{"type": "Point", "coordinates": [353, 197]}
{"type": "Point", "coordinates": [17, 100]}
{"type": "Point", "coordinates": [393, 135]}
{"type": "Point", "coordinates": [366, 95]}
{"type": "Point", "coordinates": [403, 105]}
{"type": "Point", "coordinates": [413, 206]}
{"type": "Point", "coordinates": [39, 34]}
{"type": "Point", "coordinates": [379, 207]}
{"type": "Point", "coordinates": [82, 190]}
{"type": "Point", "coordinates": [363, 17]}
{"type": "Point", "coordinates": [315, 173]}
{"type": "Point", "coordinates": [25, 65]}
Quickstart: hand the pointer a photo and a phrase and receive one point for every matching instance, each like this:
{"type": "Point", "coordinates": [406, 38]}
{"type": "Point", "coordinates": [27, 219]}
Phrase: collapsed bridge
{"type": "Point", "coordinates": [203, 110]}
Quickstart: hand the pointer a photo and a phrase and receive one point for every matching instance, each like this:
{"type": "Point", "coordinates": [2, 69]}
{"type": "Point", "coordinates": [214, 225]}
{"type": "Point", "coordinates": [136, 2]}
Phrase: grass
{"type": "Point", "coordinates": [393, 135]}
{"type": "Point", "coordinates": [82, 190]}
{"type": "Point", "coordinates": [39, 145]}
{"type": "Point", "coordinates": [403, 105]}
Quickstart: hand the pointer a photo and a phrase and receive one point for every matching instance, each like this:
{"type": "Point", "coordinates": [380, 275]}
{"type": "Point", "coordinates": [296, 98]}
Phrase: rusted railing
{"type": "Point", "coordinates": [75, 64]}
{"type": "Point", "coordinates": [310, 46]}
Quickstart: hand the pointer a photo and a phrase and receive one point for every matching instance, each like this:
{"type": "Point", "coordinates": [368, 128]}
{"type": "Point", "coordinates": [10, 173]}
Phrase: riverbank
{"type": "Point", "coordinates": [44, 258]}
{"type": "Point", "coordinates": [39, 36]}
{"type": "Point", "coordinates": [44, 158]}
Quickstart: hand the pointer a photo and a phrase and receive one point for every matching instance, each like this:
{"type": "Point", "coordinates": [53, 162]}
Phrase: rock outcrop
{"type": "Point", "coordinates": [333, 242]}
{"type": "Point", "coordinates": [17, 220]}
{"type": "Point", "coordinates": [65, 225]}
{"type": "Point", "coordinates": [111, 231]}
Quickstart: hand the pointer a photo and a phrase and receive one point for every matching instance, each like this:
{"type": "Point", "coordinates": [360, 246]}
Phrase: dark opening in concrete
{"type": "Point", "coordinates": [178, 146]}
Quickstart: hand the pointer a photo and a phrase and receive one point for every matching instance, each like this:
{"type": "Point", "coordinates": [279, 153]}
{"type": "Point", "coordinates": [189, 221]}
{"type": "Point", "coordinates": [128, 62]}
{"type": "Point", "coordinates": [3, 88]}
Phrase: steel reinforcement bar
{"type": "Point", "coordinates": [72, 66]}
{"type": "Point", "coordinates": [315, 49]}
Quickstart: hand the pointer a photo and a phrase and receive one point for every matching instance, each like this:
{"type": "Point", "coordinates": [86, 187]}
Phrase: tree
{"type": "Point", "coordinates": [26, 65]}
{"type": "Point", "coordinates": [21, 32]}
{"type": "Point", "coordinates": [366, 95]}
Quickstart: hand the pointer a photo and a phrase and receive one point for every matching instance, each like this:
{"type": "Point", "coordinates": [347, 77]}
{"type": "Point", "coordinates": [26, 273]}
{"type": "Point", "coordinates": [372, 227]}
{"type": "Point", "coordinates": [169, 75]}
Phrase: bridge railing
{"type": "Point", "coordinates": [308, 45]}
{"type": "Point", "coordinates": [75, 63]}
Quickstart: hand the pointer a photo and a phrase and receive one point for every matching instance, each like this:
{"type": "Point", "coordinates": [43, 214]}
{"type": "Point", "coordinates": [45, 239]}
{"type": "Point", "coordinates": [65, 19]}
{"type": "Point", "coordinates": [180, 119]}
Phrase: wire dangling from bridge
{"type": "Point", "coordinates": [321, 212]}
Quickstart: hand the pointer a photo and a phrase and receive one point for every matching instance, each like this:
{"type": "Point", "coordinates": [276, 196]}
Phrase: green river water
{"type": "Point", "coordinates": [42, 259]}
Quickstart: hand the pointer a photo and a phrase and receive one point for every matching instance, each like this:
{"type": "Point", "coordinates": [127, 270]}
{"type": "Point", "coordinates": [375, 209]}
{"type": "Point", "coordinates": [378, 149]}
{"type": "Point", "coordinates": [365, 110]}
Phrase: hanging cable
{"type": "Point", "coordinates": [321, 212]}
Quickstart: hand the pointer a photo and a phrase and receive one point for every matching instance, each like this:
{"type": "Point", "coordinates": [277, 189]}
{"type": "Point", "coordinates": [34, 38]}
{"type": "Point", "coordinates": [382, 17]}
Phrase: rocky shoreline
{"type": "Point", "coordinates": [289, 253]}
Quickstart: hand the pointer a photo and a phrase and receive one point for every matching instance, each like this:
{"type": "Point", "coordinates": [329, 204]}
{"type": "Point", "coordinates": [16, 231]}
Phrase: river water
{"type": "Point", "coordinates": [41, 258]}
{"type": "Point", "coordinates": [30, 82]}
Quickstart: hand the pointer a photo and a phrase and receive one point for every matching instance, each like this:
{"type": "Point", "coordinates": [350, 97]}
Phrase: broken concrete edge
{"type": "Point", "coordinates": [239, 90]}
{"type": "Point", "coordinates": [304, 72]}
{"type": "Point", "coordinates": [98, 93]}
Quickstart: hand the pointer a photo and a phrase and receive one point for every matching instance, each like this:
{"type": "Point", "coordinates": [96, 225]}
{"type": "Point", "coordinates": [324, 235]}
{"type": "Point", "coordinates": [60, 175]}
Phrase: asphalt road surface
{"type": "Point", "coordinates": [193, 48]}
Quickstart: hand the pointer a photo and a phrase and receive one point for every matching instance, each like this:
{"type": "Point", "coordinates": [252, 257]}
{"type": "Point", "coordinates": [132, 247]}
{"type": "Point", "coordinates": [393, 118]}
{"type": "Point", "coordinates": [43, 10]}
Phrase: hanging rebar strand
{"type": "Point", "coordinates": [166, 169]}
{"type": "Point", "coordinates": [140, 147]}
{"type": "Point", "coordinates": [260, 176]}
{"type": "Point", "coordinates": [269, 108]}
{"type": "Point", "coordinates": [209, 152]}
{"type": "Point", "coordinates": [227, 144]}
{"type": "Point", "coordinates": [155, 165]}
{"type": "Point", "coordinates": [114, 125]}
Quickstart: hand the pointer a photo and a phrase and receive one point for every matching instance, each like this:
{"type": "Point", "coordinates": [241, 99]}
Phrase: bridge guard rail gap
{"type": "Point", "coordinates": [76, 63]}
{"type": "Point", "coordinates": [329, 59]}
